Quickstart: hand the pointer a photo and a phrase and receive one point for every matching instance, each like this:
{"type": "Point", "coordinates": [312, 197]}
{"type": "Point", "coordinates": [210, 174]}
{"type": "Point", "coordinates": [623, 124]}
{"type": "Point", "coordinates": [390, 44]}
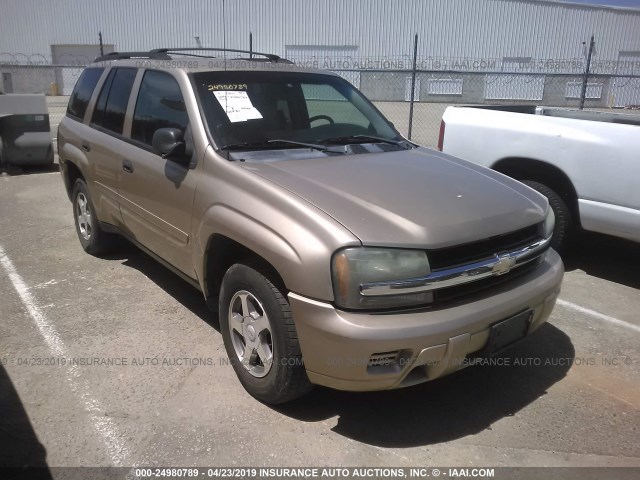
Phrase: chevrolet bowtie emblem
{"type": "Point", "coordinates": [503, 265]}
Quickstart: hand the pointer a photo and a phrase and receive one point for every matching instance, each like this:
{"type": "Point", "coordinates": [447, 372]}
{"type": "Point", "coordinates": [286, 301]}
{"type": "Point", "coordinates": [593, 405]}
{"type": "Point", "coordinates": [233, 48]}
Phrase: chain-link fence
{"type": "Point", "coordinates": [390, 90]}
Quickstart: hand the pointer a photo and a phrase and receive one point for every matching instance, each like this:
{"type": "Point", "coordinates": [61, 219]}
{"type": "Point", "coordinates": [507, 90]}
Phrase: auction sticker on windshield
{"type": "Point", "coordinates": [237, 105]}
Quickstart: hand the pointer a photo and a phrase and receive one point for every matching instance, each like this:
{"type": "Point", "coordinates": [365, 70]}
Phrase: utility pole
{"type": "Point", "coordinates": [583, 94]}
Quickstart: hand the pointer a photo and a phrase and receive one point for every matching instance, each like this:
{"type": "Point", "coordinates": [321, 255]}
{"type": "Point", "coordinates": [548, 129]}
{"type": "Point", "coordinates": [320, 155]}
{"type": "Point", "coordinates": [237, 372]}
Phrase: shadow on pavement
{"type": "Point", "coordinates": [19, 445]}
{"type": "Point", "coordinates": [171, 283]}
{"type": "Point", "coordinates": [453, 407]}
{"type": "Point", "coordinates": [16, 170]}
{"type": "Point", "coordinates": [605, 257]}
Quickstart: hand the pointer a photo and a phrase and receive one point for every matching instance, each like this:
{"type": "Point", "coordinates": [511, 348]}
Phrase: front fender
{"type": "Point", "coordinates": [302, 260]}
{"type": "Point", "coordinates": [294, 236]}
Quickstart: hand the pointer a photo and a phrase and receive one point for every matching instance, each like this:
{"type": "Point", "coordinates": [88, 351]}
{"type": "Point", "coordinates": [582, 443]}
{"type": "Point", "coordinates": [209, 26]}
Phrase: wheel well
{"type": "Point", "coordinates": [222, 253]}
{"type": "Point", "coordinates": [72, 173]}
{"type": "Point", "coordinates": [542, 172]}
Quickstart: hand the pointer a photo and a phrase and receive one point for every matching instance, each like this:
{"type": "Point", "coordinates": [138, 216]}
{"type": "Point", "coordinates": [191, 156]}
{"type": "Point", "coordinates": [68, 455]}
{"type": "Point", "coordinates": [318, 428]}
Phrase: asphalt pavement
{"type": "Point", "coordinates": [145, 380]}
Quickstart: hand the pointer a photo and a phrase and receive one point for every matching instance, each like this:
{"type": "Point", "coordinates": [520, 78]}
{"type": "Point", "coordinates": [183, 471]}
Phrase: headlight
{"type": "Point", "coordinates": [549, 224]}
{"type": "Point", "coordinates": [353, 267]}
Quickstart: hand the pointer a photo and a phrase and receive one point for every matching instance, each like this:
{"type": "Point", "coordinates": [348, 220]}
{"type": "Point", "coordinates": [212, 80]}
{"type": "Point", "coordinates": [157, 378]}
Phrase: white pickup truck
{"type": "Point", "coordinates": [586, 163]}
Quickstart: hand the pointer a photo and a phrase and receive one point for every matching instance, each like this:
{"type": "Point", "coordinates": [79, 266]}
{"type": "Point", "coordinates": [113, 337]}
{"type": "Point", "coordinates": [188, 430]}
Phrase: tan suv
{"type": "Point", "coordinates": [335, 251]}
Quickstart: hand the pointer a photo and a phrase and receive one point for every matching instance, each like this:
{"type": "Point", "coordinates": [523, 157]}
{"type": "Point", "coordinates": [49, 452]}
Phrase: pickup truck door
{"type": "Point", "coordinates": [156, 194]}
{"type": "Point", "coordinates": [605, 172]}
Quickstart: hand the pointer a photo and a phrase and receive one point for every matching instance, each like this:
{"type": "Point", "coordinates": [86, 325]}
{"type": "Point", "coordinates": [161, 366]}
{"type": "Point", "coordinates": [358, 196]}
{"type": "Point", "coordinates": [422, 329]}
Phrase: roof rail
{"type": "Point", "coordinates": [163, 54]}
{"type": "Point", "coordinates": [270, 56]}
{"type": "Point", "coordinates": [124, 55]}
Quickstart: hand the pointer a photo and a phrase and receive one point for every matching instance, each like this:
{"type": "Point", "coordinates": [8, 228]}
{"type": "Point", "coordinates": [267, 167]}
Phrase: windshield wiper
{"type": "Point", "coordinates": [364, 139]}
{"type": "Point", "coordinates": [276, 142]}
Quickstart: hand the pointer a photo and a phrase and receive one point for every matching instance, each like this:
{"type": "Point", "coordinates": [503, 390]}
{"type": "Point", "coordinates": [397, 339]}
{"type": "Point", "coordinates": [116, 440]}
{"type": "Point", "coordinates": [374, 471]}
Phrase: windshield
{"type": "Point", "coordinates": [275, 109]}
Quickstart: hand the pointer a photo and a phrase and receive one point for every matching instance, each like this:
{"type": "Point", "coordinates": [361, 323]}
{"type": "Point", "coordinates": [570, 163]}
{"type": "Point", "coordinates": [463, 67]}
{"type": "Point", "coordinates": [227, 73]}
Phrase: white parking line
{"type": "Point", "coordinates": [104, 425]}
{"type": "Point", "coordinates": [598, 315]}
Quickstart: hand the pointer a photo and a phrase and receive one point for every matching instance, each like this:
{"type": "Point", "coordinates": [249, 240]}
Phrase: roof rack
{"type": "Point", "coordinates": [163, 54]}
{"type": "Point", "coordinates": [125, 55]}
{"type": "Point", "coordinates": [270, 56]}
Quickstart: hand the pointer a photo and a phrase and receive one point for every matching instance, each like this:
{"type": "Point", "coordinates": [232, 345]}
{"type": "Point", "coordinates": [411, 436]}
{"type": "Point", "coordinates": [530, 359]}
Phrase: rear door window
{"type": "Point", "coordinates": [82, 92]}
{"type": "Point", "coordinates": [98, 111]}
{"type": "Point", "coordinates": [112, 103]}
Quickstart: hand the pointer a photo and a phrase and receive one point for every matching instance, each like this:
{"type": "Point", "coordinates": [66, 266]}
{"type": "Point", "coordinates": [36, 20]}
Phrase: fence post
{"type": "Point", "coordinates": [583, 93]}
{"type": "Point", "coordinates": [413, 83]}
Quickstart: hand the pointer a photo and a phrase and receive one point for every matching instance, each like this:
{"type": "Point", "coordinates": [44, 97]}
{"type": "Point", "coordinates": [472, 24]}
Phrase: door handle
{"type": "Point", "coordinates": [127, 166]}
{"type": "Point", "coordinates": [86, 147]}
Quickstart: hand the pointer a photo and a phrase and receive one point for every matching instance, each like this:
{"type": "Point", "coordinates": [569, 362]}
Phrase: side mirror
{"type": "Point", "coordinates": [169, 143]}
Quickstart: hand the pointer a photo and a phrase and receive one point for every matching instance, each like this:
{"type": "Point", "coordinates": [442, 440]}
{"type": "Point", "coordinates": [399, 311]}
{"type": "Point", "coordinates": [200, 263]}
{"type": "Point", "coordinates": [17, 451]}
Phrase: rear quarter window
{"type": "Point", "coordinates": [82, 92]}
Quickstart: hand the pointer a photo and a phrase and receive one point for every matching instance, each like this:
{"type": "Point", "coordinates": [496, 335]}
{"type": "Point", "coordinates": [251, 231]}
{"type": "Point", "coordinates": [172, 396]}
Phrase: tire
{"type": "Point", "coordinates": [92, 238]}
{"type": "Point", "coordinates": [50, 157]}
{"type": "Point", "coordinates": [2, 160]}
{"type": "Point", "coordinates": [260, 336]}
{"type": "Point", "coordinates": [564, 229]}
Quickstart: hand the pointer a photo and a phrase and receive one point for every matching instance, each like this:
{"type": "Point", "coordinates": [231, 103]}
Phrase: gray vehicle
{"type": "Point", "coordinates": [25, 137]}
{"type": "Point", "coordinates": [335, 251]}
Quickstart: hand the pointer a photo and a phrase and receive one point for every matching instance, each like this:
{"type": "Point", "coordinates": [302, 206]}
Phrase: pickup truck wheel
{"type": "Point", "coordinates": [563, 230]}
{"type": "Point", "coordinates": [260, 336]}
{"type": "Point", "coordinates": [92, 238]}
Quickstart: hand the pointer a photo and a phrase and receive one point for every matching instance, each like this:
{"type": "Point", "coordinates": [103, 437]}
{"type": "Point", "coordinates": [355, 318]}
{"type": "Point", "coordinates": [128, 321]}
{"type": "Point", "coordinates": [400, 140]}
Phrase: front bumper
{"type": "Point", "coordinates": [337, 346]}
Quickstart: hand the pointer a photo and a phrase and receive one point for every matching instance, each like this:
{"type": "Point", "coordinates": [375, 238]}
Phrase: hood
{"type": "Point", "coordinates": [409, 198]}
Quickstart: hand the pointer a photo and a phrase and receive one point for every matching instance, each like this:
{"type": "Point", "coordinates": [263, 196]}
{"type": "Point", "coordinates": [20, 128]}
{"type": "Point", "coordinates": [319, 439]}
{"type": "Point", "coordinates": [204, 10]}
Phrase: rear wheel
{"type": "Point", "coordinates": [92, 238]}
{"type": "Point", "coordinates": [564, 229]}
{"type": "Point", "coordinates": [260, 337]}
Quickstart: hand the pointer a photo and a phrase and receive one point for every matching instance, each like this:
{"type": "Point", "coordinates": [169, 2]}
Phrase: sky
{"type": "Point", "coordinates": [615, 3]}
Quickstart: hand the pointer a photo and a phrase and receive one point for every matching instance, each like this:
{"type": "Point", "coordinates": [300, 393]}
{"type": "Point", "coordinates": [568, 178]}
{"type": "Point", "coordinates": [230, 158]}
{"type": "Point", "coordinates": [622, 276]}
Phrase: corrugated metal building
{"type": "Point", "coordinates": [482, 36]}
{"type": "Point", "coordinates": [451, 29]}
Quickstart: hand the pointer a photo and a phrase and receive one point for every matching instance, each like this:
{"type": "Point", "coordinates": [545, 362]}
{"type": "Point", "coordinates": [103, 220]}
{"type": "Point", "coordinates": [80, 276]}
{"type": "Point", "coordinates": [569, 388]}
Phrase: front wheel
{"type": "Point", "coordinates": [260, 337]}
{"type": "Point", "coordinates": [564, 228]}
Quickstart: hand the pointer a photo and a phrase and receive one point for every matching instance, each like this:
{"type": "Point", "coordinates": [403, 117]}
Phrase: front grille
{"type": "Point", "coordinates": [468, 290]}
{"type": "Point", "coordinates": [476, 251]}
{"type": "Point", "coordinates": [449, 257]}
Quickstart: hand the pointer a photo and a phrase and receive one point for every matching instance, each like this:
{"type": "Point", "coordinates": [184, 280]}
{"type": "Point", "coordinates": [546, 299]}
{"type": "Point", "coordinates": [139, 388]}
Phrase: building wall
{"type": "Point", "coordinates": [471, 37]}
{"type": "Point", "coordinates": [448, 29]}
{"type": "Point", "coordinates": [393, 87]}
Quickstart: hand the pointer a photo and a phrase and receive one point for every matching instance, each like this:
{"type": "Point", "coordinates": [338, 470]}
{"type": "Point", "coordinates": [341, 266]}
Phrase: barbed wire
{"type": "Point", "coordinates": [391, 63]}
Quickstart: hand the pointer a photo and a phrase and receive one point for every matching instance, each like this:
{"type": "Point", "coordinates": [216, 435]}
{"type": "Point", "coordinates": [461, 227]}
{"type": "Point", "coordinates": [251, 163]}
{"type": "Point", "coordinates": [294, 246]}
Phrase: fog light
{"type": "Point", "coordinates": [384, 359]}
